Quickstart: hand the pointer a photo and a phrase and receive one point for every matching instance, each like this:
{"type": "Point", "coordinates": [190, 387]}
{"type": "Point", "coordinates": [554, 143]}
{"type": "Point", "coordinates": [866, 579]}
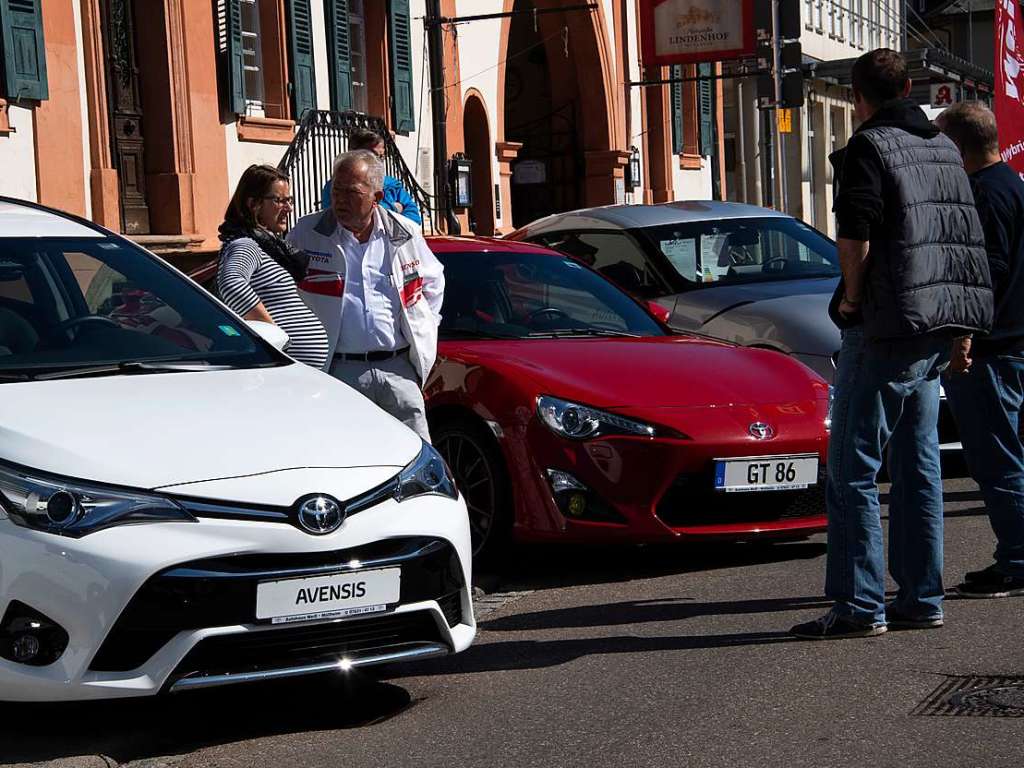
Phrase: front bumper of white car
{"type": "Point", "coordinates": [169, 606]}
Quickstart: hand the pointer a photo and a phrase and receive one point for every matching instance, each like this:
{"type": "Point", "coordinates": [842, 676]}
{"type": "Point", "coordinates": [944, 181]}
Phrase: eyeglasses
{"type": "Point", "coordinates": [290, 200]}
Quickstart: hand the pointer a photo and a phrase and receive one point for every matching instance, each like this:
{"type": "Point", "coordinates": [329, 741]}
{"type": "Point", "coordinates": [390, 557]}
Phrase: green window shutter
{"type": "Point", "coordinates": [400, 45]}
{"type": "Point", "coordinates": [235, 62]}
{"type": "Point", "coordinates": [24, 52]}
{"type": "Point", "coordinates": [339, 43]}
{"type": "Point", "coordinates": [300, 38]}
{"type": "Point", "coordinates": [677, 111]}
{"type": "Point", "coordinates": [706, 105]}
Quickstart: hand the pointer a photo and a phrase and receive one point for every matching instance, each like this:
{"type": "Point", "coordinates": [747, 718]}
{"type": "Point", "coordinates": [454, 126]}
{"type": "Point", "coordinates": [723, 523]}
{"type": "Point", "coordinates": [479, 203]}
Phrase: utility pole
{"type": "Point", "coordinates": [435, 46]}
{"type": "Point", "coordinates": [780, 158]}
{"type": "Point", "coordinates": [903, 27]}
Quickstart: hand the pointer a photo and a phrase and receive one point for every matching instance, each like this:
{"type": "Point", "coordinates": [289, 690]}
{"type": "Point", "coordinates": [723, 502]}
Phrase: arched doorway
{"type": "Point", "coordinates": [477, 137]}
{"type": "Point", "coordinates": [558, 105]}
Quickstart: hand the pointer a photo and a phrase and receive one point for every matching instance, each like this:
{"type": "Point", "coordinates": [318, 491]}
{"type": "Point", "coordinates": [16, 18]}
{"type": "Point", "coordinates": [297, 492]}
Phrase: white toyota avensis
{"type": "Point", "coordinates": [182, 505]}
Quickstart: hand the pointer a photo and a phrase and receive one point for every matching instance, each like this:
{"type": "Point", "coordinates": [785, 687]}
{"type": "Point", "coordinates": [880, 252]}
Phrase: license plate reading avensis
{"type": "Point", "coordinates": [322, 597]}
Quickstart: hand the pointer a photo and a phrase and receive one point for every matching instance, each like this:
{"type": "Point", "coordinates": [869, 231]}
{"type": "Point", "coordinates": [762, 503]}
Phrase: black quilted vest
{"type": "Point", "coordinates": [929, 270]}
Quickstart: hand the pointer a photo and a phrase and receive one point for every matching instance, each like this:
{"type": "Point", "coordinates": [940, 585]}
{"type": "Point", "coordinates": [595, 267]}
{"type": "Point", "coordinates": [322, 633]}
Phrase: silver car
{"type": "Point", "coordinates": [736, 272]}
{"type": "Point", "coordinates": [749, 275]}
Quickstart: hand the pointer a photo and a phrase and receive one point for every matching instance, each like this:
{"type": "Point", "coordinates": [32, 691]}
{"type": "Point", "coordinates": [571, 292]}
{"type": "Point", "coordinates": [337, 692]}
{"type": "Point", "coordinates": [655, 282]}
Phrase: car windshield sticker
{"type": "Point", "coordinates": [229, 330]}
{"type": "Point", "coordinates": [683, 255]}
{"type": "Point", "coordinates": [714, 256]}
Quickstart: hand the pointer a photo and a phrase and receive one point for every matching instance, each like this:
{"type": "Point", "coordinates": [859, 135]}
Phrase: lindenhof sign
{"type": "Point", "coordinates": [686, 31]}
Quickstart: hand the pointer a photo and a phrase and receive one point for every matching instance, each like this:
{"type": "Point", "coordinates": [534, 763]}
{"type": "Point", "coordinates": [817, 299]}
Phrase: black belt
{"type": "Point", "coordinates": [371, 357]}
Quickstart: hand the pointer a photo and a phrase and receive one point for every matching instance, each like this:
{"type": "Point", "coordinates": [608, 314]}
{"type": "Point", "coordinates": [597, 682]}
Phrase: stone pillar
{"type": "Point", "coordinates": [657, 138]}
{"type": "Point", "coordinates": [106, 204]}
{"type": "Point", "coordinates": [506, 151]}
{"type": "Point", "coordinates": [606, 174]}
{"type": "Point", "coordinates": [186, 156]}
{"type": "Point", "coordinates": [60, 150]}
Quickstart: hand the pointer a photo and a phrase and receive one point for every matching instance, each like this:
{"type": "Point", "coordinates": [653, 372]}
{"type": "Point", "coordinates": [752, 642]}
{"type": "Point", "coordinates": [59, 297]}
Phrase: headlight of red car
{"type": "Point", "coordinates": [580, 422]}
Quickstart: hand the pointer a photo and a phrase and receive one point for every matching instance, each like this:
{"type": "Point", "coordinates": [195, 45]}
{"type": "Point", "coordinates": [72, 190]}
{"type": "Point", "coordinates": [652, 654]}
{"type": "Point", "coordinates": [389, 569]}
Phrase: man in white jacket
{"type": "Point", "coordinates": [376, 287]}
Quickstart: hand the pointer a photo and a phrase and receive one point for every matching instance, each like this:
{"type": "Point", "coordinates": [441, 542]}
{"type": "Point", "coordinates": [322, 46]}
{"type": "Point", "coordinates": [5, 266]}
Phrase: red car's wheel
{"type": "Point", "coordinates": [480, 475]}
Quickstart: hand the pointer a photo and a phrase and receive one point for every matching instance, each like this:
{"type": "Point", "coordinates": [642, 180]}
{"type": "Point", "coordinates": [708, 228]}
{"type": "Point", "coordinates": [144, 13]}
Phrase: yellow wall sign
{"type": "Point", "coordinates": [785, 117]}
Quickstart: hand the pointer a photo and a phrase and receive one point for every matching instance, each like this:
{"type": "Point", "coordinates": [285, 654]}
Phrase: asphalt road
{"type": "Point", "coordinates": [672, 656]}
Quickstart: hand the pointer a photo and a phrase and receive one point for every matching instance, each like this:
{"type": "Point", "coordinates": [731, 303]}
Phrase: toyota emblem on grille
{"type": "Point", "coordinates": [320, 515]}
{"type": "Point", "coordinates": [760, 430]}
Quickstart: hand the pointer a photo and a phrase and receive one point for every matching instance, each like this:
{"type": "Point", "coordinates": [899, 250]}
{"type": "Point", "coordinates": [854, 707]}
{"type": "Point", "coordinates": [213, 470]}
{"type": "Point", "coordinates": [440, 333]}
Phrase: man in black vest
{"type": "Point", "coordinates": [986, 385]}
{"type": "Point", "coordinates": [912, 254]}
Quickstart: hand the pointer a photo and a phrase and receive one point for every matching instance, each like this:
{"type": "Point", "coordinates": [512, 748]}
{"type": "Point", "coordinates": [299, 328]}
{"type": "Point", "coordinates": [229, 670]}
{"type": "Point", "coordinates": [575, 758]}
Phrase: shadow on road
{"type": "Point", "coordinates": [541, 654]}
{"type": "Point", "coordinates": [550, 566]}
{"type": "Point", "coordinates": [632, 612]}
{"type": "Point", "coordinates": [170, 725]}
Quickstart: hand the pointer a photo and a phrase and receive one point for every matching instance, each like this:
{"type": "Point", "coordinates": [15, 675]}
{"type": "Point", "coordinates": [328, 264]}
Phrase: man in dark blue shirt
{"type": "Point", "coordinates": [986, 383]}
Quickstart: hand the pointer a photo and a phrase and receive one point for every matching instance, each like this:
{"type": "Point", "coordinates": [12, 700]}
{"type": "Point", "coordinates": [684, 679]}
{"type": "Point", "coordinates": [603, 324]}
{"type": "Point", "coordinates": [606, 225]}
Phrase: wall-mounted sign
{"type": "Point", "coordinates": [785, 117]}
{"type": "Point", "coordinates": [529, 172]}
{"type": "Point", "coordinates": [943, 94]}
{"type": "Point", "coordinates": [686, 31]}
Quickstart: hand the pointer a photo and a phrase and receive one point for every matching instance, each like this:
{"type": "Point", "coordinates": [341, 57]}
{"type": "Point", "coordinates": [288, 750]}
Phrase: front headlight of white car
{"type": "Point", "coordinates": [75, 508]}
{"type": "Point", "coordinates": [427, 474]}
{"type": "Point", "coordinates": [580, 422]}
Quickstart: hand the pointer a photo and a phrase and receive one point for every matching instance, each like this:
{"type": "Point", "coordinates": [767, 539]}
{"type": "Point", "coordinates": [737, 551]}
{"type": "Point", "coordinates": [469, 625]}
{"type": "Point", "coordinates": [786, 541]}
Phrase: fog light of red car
{"type": "Point", "coordinates": [577, 505]}
{"type": "Point", "coordinates": [578, 502]}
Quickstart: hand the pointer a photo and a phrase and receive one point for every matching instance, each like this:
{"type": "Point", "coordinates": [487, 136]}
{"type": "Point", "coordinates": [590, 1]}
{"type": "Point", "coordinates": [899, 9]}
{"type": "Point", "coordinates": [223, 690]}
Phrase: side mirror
{"type": "Point", "coordinates": [661, 314]}
{"type": "Point", "coordinates": [270, 333]}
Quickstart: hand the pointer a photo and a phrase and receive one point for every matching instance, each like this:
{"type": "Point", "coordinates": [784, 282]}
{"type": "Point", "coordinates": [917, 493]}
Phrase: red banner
{"type": "Point", "coordinates": [1009, 87]}
{"type": "Point", "coordinates": [688, 31]}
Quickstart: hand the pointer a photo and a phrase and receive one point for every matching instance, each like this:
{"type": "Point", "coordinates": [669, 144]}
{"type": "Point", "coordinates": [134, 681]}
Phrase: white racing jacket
{"type": "Point", "coordinates": [416, 274]}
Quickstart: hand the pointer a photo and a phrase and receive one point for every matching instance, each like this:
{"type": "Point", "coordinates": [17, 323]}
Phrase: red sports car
{"type": "Point", "coordinates": [567, 411]}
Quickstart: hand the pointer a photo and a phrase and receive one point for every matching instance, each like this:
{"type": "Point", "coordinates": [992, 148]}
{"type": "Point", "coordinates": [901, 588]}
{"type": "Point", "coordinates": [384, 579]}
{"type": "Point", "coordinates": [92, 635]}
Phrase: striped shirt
{"type": "Point", "coordinates": [247, 276]}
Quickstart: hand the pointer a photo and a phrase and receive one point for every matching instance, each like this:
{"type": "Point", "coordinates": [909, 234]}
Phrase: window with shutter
{"type": "Point", "coordinates": [706, 106]}
{"type": "Point", "coordinates": [24, 51]}
{"type": "Point", "coordinates": [303, 82]}
{"type": "Point", "coordinates": [234, 50]}
{"type": "Point", "coordinates": [677, 110]}
{"type": "Point", "coordinates": [401, 67]}
{"type": "Point", "coordinates": [340, 44]}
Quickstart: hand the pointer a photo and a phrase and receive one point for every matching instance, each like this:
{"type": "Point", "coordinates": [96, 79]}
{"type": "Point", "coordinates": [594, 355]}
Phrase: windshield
{"type": "Point", "coordinates": [736, 251]}
{"type": "Point", "coordinates": [70, 303]}
{"type": "Point", "coordinates": [533, 295]}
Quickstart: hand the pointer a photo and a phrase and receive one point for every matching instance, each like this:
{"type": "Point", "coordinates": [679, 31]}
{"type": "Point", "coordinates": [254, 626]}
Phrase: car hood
{"type": "Point", "coordinates": [664, 371]}
{"type": "Point", "coordinates": [154, 430]}
{"type": "Point", "coordinates": [790, 315]}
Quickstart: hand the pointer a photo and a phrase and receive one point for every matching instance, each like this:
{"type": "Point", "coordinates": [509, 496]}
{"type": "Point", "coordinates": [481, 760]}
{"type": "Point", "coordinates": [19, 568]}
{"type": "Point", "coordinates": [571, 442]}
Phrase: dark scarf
{"type": "Point", "coordinates": [290, 258]}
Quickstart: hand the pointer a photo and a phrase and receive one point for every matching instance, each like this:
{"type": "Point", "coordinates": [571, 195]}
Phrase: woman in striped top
{"type": "Point", "coordinates": [259, 271]}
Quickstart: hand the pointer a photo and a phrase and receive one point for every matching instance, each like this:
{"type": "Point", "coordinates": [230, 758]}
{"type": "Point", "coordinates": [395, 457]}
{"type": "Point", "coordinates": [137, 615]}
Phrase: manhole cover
{"type": "Point", "coordinates": [976, 696]}
{"type": "Point", "coordinates": [1005, 697]}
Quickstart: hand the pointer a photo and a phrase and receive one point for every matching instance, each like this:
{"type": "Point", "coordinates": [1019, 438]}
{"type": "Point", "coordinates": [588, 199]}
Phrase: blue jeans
{"type": "Point", "coordinates": [886, 396]}
{"type": "Point", "coordinates": [986, 403]}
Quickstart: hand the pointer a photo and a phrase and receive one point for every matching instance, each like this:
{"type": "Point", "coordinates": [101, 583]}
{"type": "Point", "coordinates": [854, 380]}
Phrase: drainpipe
{"type": "Point", "coordinates": [435, 47]}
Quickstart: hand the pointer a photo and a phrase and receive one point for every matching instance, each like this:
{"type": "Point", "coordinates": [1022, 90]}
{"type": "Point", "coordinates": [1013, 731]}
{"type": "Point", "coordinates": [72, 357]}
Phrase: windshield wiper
{"type": "Point", "coordinates": [455, 334]}
{"type": "Point", "coordinates": [564, 333]}
{"type": "Point", "coordinates": [128, 368]}
{"type": "Point", "coordinates": [15, 377]}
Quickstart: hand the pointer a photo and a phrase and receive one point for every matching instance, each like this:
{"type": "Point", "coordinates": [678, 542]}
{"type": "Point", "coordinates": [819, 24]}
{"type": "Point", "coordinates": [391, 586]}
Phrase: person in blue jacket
{"type": "Point", "coordinates": [396, 197]}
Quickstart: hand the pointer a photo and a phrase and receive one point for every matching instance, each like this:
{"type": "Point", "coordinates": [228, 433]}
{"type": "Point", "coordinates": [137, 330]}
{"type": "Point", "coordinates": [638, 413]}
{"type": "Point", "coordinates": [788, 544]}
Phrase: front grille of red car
{"type": "Point", "coordinates": [692, 501]}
